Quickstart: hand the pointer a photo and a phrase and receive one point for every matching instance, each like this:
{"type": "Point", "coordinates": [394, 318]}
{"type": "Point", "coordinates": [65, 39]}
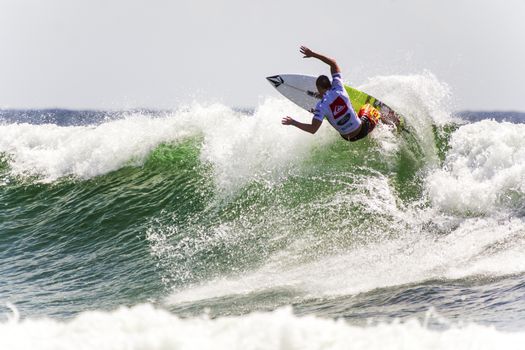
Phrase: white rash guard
{"type": "Point", "coordinates": [336, 107]}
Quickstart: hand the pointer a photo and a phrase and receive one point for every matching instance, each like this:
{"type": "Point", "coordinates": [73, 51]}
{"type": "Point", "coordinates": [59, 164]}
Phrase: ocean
{"type": "Point", "coordinates": [212, 227]}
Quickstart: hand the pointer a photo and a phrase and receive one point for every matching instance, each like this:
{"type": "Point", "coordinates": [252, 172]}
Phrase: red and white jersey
{"type": "Point", "coordinates": [336, 107]}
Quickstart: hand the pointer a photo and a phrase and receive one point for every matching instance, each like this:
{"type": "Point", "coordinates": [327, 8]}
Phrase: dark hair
{"type": "Point", "coordinates": [323, 82]}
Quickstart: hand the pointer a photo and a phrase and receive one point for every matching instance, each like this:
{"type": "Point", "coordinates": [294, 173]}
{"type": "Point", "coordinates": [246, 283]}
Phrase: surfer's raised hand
{"type": "Point", "coordinates": [287, 121]}
{"type": "Point", "coordinates": [334, 68]}
{"type": "Point", "coordinates": [306, 52]}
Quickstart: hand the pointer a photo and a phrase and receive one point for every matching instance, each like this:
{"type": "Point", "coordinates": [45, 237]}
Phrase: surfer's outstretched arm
{"type": "Point", "coordinates": [334, 68]}
{"type": "Point", "coordinates": [311, 128]}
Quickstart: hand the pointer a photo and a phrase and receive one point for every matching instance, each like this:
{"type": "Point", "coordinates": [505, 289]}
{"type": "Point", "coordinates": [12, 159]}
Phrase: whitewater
{"type": "Point", "coordinates": [210, 227]}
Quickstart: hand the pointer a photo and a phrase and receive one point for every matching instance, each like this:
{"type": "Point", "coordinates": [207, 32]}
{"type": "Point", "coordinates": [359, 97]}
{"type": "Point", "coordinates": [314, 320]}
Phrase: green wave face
{"type": "Point", "coordinates": [223, 209]}
{"type": "Point", "coordinates": [167, 223]}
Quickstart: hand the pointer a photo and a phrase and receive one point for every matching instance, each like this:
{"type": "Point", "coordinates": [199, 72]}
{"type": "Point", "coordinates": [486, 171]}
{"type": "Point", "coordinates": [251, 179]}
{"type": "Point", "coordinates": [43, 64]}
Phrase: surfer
{"type": "Point", "coordinates": [335, 105]}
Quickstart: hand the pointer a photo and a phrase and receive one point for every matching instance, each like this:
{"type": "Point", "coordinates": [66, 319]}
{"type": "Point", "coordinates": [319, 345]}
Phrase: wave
{"type": "Point", "coordinates": [483, 171]}
{"type": "Point", "coordinates": [241, 146]}
{"type": "Point", "coordinates": [144, 327]}
{"type": "Point", "coordinates": [475, 248]}
{"type": "Point", "coordinates": [227, 202]}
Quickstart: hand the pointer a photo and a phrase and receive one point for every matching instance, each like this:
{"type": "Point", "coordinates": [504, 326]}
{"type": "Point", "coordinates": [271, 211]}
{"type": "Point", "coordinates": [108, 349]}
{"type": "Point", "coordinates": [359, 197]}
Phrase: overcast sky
{"type": "Point", "coordinates": [163, 53]}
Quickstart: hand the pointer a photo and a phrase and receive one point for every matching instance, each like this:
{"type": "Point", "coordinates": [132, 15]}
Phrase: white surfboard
{"type": "Point", "coordinates": [301, 90]}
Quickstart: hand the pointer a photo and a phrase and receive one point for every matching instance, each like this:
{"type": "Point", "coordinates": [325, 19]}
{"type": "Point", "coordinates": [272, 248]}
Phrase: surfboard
{"type": "Point", "coordinates": [301, 90]}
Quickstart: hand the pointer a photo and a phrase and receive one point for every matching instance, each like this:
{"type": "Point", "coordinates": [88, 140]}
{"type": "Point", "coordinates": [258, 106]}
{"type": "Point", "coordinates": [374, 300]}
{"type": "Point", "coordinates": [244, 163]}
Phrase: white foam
{"type": "Point", "coordinates": [484, 170]}
{"type": "Point", "coordinates": [422, 99]}
{"type": "Point", "coordinates": [51, 152]}
{"type": "Point", "coordinates": [400, 250]}
{"type": "Point", "coordinates": [240, 147]}
{"type": "Point", "coordinates": [259, 147]}
{"type": "Point", "coordinates": [414, 259]}
{"type": "Point", "coordinates": [145, 327]}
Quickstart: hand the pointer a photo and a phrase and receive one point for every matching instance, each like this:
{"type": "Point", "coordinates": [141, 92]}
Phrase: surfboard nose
{"type": "Point", "coordinates": [275, 80]}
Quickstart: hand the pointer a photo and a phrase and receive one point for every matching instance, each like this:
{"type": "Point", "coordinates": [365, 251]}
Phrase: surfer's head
{"type": "Point", "coordinates": [323, 84]}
